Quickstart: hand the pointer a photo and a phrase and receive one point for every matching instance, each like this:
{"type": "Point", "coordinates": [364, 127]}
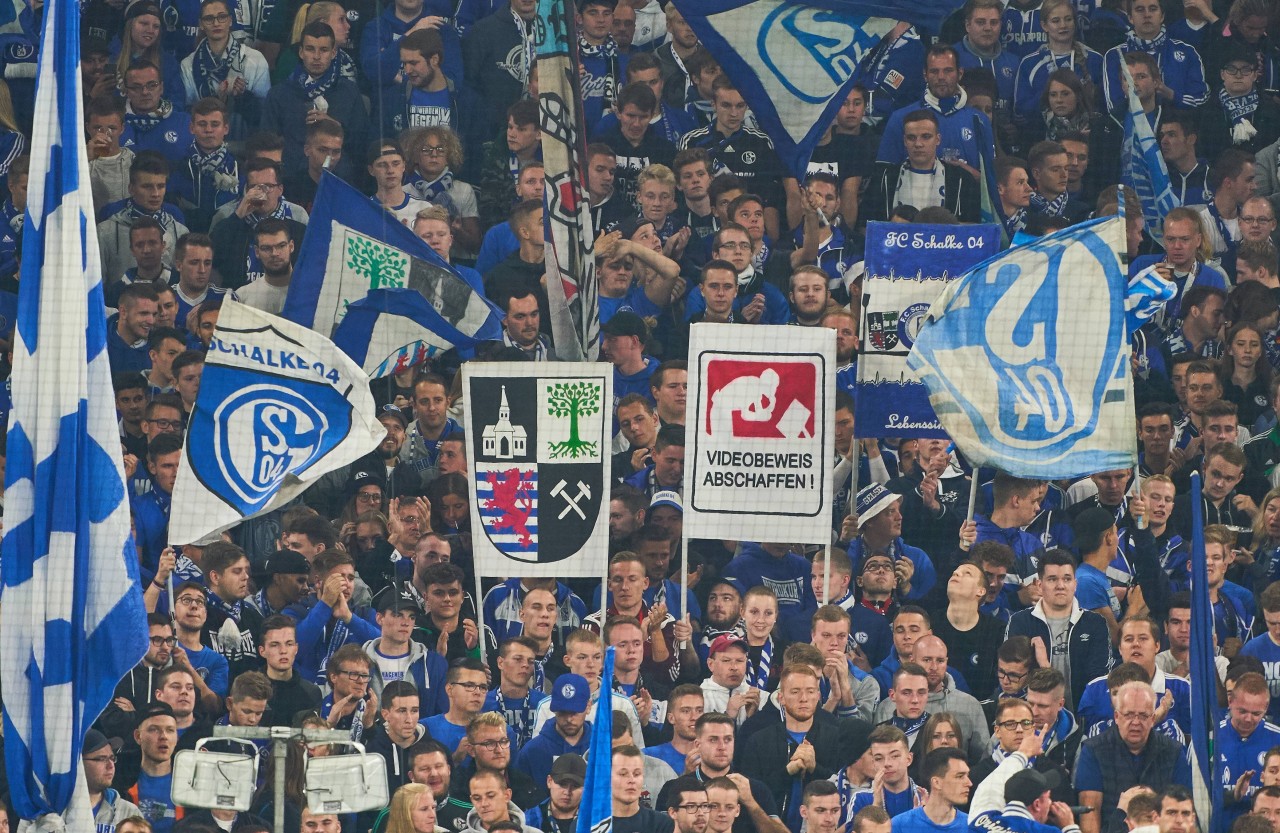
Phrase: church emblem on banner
{"type": "Point", "coordinates": [540, 447]}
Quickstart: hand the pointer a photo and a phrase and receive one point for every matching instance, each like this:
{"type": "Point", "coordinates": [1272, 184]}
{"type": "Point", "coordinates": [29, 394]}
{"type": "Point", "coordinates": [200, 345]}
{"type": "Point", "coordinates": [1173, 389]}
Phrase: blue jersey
{"type": "Point", "coordinates": [1268, 653]}
{"type": "Point", "coordinates": [1232, 757]}
{"type": "Point", "coordinates": [1093, 590]}
{"type": "Point", "coordinates": [895, 804]}
{"type": "Point", "coordinates": [1004, 66]}
{"type": "Point", "coordinates": [916, 821]}
{"type": "Point", "coordinates": [1021, 32]}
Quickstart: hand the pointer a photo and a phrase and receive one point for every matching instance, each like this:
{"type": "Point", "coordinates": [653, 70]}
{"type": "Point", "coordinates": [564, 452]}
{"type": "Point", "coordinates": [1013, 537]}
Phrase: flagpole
{"type": "Point", "coordinates": [1137, 490]}
{"type": "Point", "coordinates": [480, 618]}
{"type": "Point", "coordinates": [684, 581]}
{"type": "Point", "coordinates": [826, 576]}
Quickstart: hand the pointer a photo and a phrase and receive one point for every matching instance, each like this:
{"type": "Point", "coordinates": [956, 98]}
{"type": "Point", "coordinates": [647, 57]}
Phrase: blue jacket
{"type": "Point", "coordinates": [380, 54]}
{"type": "Point", "coordinates": [922, 580]}
{"type": "Point", "coordinates": [1033, 78]}
{"type": "Point", "coordinates": [1004, 66]}
{"type": "Point", "coordinates": [537, 756]}
{"type": "Point", "coordinates": [1088, 643]}
{"type": "Point", "coordinates": [426, 671]}
{"type": "Point", "coordinates": [1180, 65]}
{"type": "Point", "coordinates": [502, 610]}
{"type": "Point", "coordinates": [1013, 819]}
{"type": "Point", "coordinates": [884, 674]}
{"type": "Point", "coordinates": [776, 308]}
{"type": "Point", "coordinates": [151, 529]}
{"type": "Point", "coordinates": [959, 140]}
{"type": "Point", "coordinates": [1021, 32]}
{"type": "Point", "coordinates": [313, 615]}
{"type": "Point", "coordinates": [1096, 706]}
{"type": "Point", "coordinates": [171, 137]}
{"type": "Point", "coordinates": [1026, 552]}
{"type": "Point", "coordinates": [788, 576]}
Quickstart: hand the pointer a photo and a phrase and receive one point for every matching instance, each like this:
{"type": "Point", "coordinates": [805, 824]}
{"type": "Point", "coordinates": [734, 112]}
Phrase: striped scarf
{"type": "Point", "coordinates": [211, 71]}
{"type": "Point", "coordinates": [759, 676]}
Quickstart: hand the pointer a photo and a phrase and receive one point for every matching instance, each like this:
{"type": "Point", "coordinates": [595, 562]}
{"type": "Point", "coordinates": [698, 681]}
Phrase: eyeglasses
{"type": "Point", "coordinates": [694, 808]}
{"type": "Point", "coordinates": [191, 601]}
{"type": "Point", "coordinates": [355, 676]}
{"type": "Point", "coordinates": [110, 759]}
{"type": "Point", "coordinates": [166, 424]}
{"type": "Point", "coordinates": [215, 18]}
{"type": "Point", "coordinates": [432, 150]}
{"type": "Point", "coordinates": [878, 566]}
{"type": "Point", "coordinates": [1238, 72]}
{"type": "Point", "coordinates": [492, 745]}
{"type": "Point", "coordinates": [472, 687]}
{"type": "Point", "coordinates": [1256, 221]}
{"type": "Point", "coordinates": [1016, 724]}
{"type": "Point", "coordinates": [369, 497]}
{"type": "Point", "coordinates": [267, 248]}
{"type": "Point", "coordinates": [1011, 676]}
{"type": "Point", "coordinates": [167, 641]}
{"type": "Point", "coordinates": [149, 87]}
{"type": "Point", "coordinates": [1135, 717]}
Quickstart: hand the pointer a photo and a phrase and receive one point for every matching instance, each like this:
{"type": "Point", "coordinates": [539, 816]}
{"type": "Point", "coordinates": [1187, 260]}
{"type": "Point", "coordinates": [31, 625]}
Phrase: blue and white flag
{"type": "Point", "coordinates": [1017, 376]}
{"type": "Point", "coordinates": [1142, 165]}
{"type": "Point", "coordinates": [1148, 293]}
{"type": "Point", "coordinates": [1204, 671]}
{"type": "Point", "coordinates": [390, 330]}
{"type": "Point", "coordinates": [72, 620]}
{"type": "Point", "coordinates": [353, 246]}
{"type": "Point", "coordinates": [595, 814]}
{"type": "Point", "coordinates": [907, 267]}
{"type": "Point", "coordinates": [794, 63]}
{"type": "Point", "coordinates": [279, 406]}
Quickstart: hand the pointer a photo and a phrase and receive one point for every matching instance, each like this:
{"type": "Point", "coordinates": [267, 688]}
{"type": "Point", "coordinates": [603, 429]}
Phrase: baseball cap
{"type": "Point", "coordinates": [725, 641]}
{"type": "Point", "coordinates": [626, 324]}
{"type": "Point", "coordinates": [95, 740]}
{"type": "Point", "coordinates": [569, 769]}
{"type": "Point", "coordinates": [286, 563]}
{"type": "Point", "coordinates": [571, 694]}
{"type": "Point", "coordinates": [140, 7]}
{"type": "Point", "coordinates": [156, 709]}
{"type": "Point", "coordinates": [666, 497]}
{"type": "Point", "coordinates": [1093, 521]}
{"type": "Point", "coordinates": [364, 477]}
{"type": "Point", "coordinates": [1028, 785]}
{"type": "Point", "coordinates": [395, 413]}
{"type": "Point", "coordinates": [872, 500]}
{"type": "Point", "coordinates": [395, 598]}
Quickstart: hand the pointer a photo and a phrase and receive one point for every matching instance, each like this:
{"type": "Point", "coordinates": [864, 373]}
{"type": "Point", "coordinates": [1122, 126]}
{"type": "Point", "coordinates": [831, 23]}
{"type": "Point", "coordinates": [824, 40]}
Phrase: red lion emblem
{"type": "Point", "coordinates": [513, 498]}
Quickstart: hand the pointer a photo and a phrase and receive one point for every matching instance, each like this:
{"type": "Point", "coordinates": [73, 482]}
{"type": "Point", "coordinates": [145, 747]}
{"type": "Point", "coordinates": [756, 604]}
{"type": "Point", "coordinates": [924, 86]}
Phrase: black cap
{"type": "Point", "coordinates": [395, 413]}
{"type": "Point", "coordinates": [95, 740]}
{"type": "Point", "coordinates": [156, 709]}
{"type": "Point", "coordinates": [1028, 785]}
{"type": "Point", "coordinates": [626, 324]}
{"type": "Point", "coordinates": [395, 598]}
{"type": "Point", "coordinates": [94, 45]}
{"type": "Point", "coordinates": [569, 769]}
{"type": "Point", "coordinates": [631, 225]}
{"type": "Point", "coordinates": [1093, 521]}
{"type": "Point", "coordinates": [286, 563]}
{"type": "Point", "coordinates": [140, 7]}
{"type": "Point", "coordinates": [365, 477]}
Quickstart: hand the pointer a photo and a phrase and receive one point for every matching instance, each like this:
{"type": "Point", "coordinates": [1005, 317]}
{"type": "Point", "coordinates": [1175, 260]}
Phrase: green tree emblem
{"type": "Point", "coordinates": [573, 400]}
{"type": "Point", "coordinates": [384, 266]}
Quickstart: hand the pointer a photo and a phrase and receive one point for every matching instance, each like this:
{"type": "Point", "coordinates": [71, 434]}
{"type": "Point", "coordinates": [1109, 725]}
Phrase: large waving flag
{"type": "Point", "coordinates": [390, 330]}
{"type": "Point", "coordinates": [1142, 165]}
{"type": "Point", "coordinates": [794, 62]}
{"type": "Point", "coordinates": [595, 815]}
{"type": "Point", "coordinates": [279, 406]}
{"type": "Point", "coordinates": [353, 246]}
{"type": "Point", "coordinates": [1018, 378]}
{"type": "Point", "coordinates": [1204, 671]}
{"type": "Point", "coordinates": [72, 620]}
{"type": "Point", "coordinates": [574, 298]}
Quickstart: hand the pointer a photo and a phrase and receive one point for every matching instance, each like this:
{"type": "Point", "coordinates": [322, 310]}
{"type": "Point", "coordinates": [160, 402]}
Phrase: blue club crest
{"type": "Point", "coordinates": [254, 434]}
{"type": "Point", "coordinates": [827, 41]}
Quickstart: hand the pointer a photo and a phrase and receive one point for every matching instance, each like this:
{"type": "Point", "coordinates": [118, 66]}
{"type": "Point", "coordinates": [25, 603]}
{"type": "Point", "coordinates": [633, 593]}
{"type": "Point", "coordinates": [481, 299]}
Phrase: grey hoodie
{"type": "Point", "coordinates": [517, 816]}
{"type": "Point", "coordinates": [967, 710]}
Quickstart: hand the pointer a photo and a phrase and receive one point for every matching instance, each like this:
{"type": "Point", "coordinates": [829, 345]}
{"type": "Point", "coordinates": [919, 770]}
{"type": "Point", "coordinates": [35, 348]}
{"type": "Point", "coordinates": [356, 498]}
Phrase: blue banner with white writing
{"type": "Point", "coordinates": [1017, 376]}
{"type": "Point", "coordinates": [907, 267]}
{"type": "Point", "coordinates": [279, 406]}
{"type": "Point", "coordinates": [794, 63]}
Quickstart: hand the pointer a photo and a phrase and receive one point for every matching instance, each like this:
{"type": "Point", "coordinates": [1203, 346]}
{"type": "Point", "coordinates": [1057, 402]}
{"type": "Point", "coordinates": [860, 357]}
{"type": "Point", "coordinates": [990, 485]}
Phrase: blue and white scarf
{"type": "Point", "coordinates": [909, 727]}
{"type": "Point", "coordinates": [759, 676]}
{"type": "Point", "coordinates": [1053, 208]}
{"type": "Point", "coordinates": [435, 191]}
{"type": "Point", "coordinates": [1238, 108]}
{"type": "Point", "coordinates": [1155, 46]}
{"type": "Point", "coordinates": [232, 610]}
{"type": "Point", "coordinates": [946, 106]}
{"type": "Point", "coordinates": [146, 122]}
{"type": "Point", "coordinates": [164, 218]}
{"type": "Point", "coordinates": [210, 71]}
{"type": "Point", "coordinates": [218, 168]}
{"type": "Point", "coordinates": [315, 88]}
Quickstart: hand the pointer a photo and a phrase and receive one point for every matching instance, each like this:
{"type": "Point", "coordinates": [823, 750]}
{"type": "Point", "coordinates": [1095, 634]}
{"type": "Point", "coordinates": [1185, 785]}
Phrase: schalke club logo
{"type": "Point", "coordinates": [540, 449]}
{"type": "Point", "coordinates": [256, 434]}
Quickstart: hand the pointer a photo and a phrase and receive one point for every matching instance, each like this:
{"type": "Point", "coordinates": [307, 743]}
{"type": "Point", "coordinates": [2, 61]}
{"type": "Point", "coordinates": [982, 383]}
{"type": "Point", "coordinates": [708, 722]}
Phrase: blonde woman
{"type": "Point", "coordinates": [434, 154]}
{"type": "Point", "coordinates": [140, 40]}
{"type": "Point", "coordinates": [413, 810]}
{"type": "Point", "coordinates": [1062, 51]}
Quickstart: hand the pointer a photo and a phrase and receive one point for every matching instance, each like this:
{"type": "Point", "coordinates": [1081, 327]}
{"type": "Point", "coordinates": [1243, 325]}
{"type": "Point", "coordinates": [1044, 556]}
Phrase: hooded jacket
{"type": "Point", "coordinates": [426, 671]}
{"type": "Point", "coordinates": [788, 577]}
{"type": "Point", "coordinates": [966, 709]}
{"type": "Point", "coordinates": [537, 756]}
{"type": "Point", "coordinates": [1088, 643]}
{"type": "Point", "coordinates": [517, 817]}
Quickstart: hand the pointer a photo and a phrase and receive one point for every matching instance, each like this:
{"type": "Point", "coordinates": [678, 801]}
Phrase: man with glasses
{"type": "Point", "coordinates": [492, 744]}
{"type": "Point", "coordinates": [109, 807]}
{"type": "Point", "coordinates": [275, 250]}
{"type": "Point", "coordinates": [1014, 661]}
{"type": "Point", "coordinates": [1014, 721]}
{"type": "Point", "coordinates": [1138, 643]}
{"type": "Point", "coordinates": [138, 689]}
{"type": "Point", "coordinates": [687, 804]}
{"type": "Point", "coordinates": [1257, 220]}
{"type": "Point", "coordinates": [466, 685]}
{"type": "Point", "coordinates": [151, 122]}
{"type": "Point", "coordinates": [351, 703]}
{"type": "Point", "coordinates": [1126, 755]}
{"type": "Point", "coordinates": [235, 256]}
{"type": "Point", "coordinates": [207, 667]}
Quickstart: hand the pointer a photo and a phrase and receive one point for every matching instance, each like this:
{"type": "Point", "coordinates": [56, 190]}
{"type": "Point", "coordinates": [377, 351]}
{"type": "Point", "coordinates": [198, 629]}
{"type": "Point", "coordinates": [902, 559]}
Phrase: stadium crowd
{"type": "Point", "coordinates": [1025, 671]}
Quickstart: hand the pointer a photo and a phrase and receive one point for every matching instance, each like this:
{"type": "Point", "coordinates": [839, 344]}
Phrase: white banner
{"type": "Point", "coordinates": [538, 447]}
{"type": "Point", "coordinates": [279, 406]}
{"type": "Point", "coordinates": [760, 426]}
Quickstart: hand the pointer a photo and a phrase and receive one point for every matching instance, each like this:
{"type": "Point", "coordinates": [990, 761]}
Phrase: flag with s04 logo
{"type": "Point", "coordinates": [1026, 357]}
{"type": "Point", "coordinates": [279, 406]}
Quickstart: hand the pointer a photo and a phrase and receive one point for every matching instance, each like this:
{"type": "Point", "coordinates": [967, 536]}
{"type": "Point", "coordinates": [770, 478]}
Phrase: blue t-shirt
{"type": "Point", "coordinates": [634, 301]}
{"type": "Point", "coordinates": [1268, 653]}
{"type": "Point", "coordinates": [1093, 590]}
{"type": "Point", "coordinates": [667, 752]}
{"type": "Point", "coordinates": [442, 730]}
{"type": "Point", "coordinates": [154, 801]}
{"type": "Point", "coordinates": [915, 821]}
{"type": "Point", "coordinates": [895, 803]}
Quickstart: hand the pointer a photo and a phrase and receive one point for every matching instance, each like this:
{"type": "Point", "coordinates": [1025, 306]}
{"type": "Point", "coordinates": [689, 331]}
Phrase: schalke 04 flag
{"type": "Point", "coordinates": [539, 449]}
{"type": "Point", "coordinates": [279, 406]}
{"type": "Point", "coordinates": [390, 330]}
{"type": "Point", "coordinates": [1017, 376]}
{"type": "Point", "coordinates": [907, 266]}
{"type": "Point", "coordinates": [1142, 165]}
{"type": "Point", "coordinates": [353, 246]}
{"type": "Point", "coordinates": [574, 298]}
{"type": "Point", "coordinates": [794, 63]}
{"type": "Point", "coordinates": [760, 426]}
{"type": "Point", "coordinates": [73, 620]}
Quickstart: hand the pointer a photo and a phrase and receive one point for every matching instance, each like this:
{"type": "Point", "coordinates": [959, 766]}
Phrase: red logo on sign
{"type": "Point", "coordinates": [761, 400]}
